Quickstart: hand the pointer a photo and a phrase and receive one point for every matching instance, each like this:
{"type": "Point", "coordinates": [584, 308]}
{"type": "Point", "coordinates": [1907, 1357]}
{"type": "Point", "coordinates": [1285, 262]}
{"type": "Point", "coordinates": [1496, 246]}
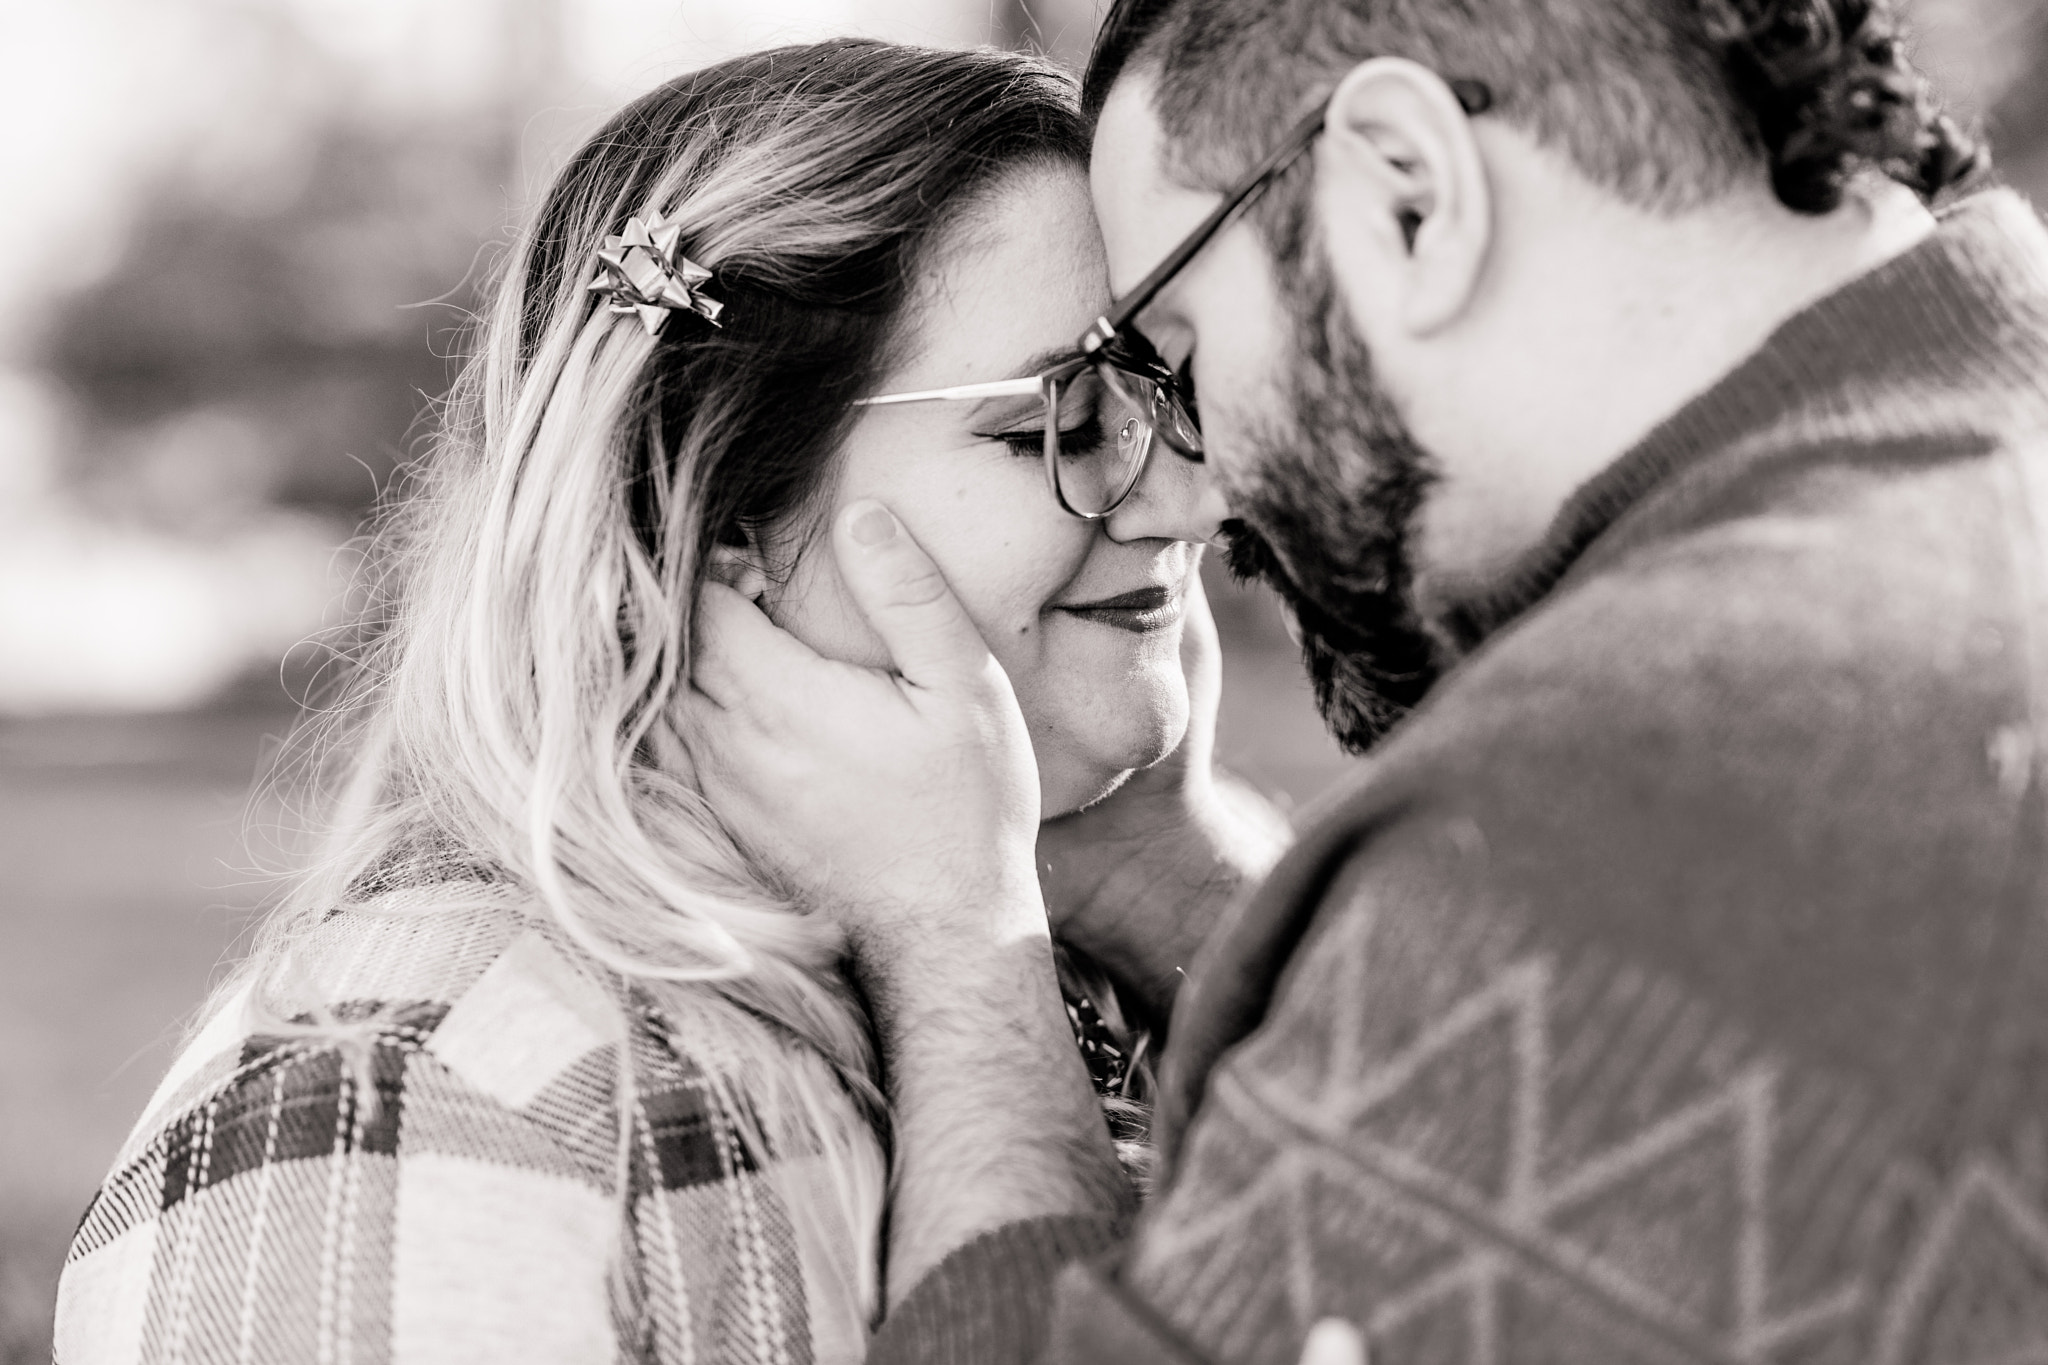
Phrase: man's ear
{"type": "Point", "coordinates": [1403, 191]}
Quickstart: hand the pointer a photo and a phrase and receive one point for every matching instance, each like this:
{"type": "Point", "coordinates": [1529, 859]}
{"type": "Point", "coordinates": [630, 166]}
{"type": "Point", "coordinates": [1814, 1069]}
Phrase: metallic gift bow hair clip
{"type": "Point", "coordinates": [645, 274]}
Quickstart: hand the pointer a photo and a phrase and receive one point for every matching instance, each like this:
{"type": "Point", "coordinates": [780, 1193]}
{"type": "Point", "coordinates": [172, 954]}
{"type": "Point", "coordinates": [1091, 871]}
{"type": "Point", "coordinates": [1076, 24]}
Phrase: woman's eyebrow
{"type": "Point", "coordinates": [1041, 361]}
{"type": "Point", "coordinates": [1003, 412]}
{"type": "Point", "coordinates": [1037, 363]}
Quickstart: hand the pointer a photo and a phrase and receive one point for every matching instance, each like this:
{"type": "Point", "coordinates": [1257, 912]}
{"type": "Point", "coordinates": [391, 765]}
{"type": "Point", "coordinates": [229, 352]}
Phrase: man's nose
{"type": "Point", "coordinates": [1176, 499]}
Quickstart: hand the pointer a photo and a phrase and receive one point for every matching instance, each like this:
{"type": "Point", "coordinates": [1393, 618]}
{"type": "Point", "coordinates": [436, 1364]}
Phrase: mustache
{"type": "Point", "coordinates": [1367, 663]}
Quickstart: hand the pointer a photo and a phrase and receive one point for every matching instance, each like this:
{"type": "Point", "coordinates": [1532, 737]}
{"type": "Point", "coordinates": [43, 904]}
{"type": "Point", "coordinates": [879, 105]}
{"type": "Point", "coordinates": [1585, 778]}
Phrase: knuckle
{"type": "Point", "coordinates": [918, 585]}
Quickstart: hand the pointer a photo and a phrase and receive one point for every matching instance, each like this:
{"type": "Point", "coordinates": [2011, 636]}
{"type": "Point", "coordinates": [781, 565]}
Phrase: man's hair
{"type": "Point", "coordinates": [1667, 103]}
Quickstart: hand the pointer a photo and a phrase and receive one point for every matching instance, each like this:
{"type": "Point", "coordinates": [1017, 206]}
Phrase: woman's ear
{"type": "Point", "coordinates": [1404, 196]}
{"type": "Point", "coordinates": [738, 561]}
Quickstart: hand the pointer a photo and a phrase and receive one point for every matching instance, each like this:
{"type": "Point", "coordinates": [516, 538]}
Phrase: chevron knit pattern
{"type": "Point", "coordinates": [1486, 1193]}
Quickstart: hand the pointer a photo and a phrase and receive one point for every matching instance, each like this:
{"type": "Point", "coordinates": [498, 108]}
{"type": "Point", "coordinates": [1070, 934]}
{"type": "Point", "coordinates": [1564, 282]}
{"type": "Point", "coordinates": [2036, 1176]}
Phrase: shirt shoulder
{"type": "Point", "coordinates": [437, 1140]}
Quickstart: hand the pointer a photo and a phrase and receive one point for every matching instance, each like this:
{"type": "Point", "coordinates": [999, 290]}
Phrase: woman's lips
{"type": "Point", "coordinates": [1140, 611]}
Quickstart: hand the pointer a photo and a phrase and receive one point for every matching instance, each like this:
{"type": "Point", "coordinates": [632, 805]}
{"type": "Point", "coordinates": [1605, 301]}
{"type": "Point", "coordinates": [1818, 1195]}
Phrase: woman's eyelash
{"type": "Point", "coordinates": [1087, 436]}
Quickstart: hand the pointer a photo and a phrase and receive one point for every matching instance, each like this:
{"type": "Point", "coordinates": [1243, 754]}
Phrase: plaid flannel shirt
{"type": "Point", "coordinates": [466, 1206]}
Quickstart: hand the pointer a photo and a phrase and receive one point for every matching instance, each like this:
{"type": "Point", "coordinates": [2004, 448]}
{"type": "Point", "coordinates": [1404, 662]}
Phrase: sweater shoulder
{"type": "Point", "coordinates": [1886, 600]}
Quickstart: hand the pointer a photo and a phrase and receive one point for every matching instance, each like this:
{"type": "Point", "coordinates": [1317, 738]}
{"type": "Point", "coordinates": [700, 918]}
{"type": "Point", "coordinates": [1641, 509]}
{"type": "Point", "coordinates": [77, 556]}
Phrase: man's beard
{"type": "Point", "coordinates": [1325, 515]}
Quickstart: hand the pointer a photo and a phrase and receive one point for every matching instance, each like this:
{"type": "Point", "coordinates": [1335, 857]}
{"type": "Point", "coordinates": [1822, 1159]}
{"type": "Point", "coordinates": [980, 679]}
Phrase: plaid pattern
{"type": "Point", "coordinates": [441, 1182]}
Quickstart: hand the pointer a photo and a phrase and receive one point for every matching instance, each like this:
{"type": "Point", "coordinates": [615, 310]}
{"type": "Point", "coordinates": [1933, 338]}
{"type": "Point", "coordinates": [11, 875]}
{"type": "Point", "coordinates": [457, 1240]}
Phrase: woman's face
{"type": "Point", "coordinates": [1085, 617]}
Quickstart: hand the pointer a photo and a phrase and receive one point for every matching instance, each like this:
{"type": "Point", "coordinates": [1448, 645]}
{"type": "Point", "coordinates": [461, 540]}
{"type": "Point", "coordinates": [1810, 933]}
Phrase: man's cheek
{"type": "Point", "coordinates": [1238, 437]}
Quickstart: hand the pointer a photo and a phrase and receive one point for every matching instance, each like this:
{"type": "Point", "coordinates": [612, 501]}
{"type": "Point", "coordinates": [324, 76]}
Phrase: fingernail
{"type": "Point", "coordinates": [873, 526]}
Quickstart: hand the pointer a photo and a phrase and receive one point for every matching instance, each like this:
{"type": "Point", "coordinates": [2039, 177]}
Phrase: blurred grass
{"type": "Point", "coordinates": [121, 844]}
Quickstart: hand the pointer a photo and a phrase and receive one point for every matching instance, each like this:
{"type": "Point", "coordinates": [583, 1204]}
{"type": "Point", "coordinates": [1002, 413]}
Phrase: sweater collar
{"type": "Point", "coordinates": [1945, 308]}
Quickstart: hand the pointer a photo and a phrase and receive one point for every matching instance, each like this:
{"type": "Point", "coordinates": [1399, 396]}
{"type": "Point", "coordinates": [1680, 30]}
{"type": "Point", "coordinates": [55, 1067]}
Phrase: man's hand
{"type": "Point", "coordinates": [902, 803]}
{"type": "Point", "coordinates": [1137, 880]}
{"type": "Point", "coordinates": [906, 806]}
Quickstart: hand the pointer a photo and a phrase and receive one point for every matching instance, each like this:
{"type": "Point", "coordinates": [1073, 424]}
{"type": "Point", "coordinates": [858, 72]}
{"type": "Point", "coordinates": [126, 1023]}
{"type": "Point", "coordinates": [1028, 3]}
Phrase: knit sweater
{"type": "Point", "coordinates": [1673, 984]}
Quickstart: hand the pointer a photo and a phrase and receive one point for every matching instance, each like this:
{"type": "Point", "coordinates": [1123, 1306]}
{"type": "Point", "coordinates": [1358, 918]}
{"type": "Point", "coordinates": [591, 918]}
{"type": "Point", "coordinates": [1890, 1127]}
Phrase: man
{"type": "Point", "coordinates": [1672, 984]}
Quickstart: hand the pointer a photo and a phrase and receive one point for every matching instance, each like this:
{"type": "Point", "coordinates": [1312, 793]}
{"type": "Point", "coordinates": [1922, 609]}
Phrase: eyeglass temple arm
{"type": "Point", "coordinates": [998, 388]}
{"type": "Point", "coordinates": [1473, 96]}
{"type": "Point", "coordinates": [1234, 203]}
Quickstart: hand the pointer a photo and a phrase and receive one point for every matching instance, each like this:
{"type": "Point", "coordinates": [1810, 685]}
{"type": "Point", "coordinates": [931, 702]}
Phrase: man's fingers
{"type": "Point", "coordinates": [738, 651]}
{"type": "Point", "coordinates": [906, 599]}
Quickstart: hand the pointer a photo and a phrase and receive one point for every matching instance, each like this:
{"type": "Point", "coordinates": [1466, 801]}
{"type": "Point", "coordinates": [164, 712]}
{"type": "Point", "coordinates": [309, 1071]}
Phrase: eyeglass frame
{"type": "Point", "coordinates": [1045, 384]}
{"type": "Point", "coordinates": [1133, 352]}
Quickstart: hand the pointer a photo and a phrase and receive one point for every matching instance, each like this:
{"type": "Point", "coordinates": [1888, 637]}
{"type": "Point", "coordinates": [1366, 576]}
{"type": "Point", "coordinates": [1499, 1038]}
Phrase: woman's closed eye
{"type": "Point", "coordinates": [1083, 439]}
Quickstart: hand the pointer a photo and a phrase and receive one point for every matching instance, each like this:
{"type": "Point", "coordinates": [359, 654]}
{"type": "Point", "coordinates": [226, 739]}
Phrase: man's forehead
{"type": "Point", "coordinates": [1128, 126]}
{"type": "Point", "coordinates": [1143, 211]}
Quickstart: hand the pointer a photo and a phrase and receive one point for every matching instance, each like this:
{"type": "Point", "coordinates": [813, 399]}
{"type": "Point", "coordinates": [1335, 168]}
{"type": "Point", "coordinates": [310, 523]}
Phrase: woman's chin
{"type": "Point", "coordinates": [1070, 781]}
{"type": "Point", "coordinates": [1075, 792]}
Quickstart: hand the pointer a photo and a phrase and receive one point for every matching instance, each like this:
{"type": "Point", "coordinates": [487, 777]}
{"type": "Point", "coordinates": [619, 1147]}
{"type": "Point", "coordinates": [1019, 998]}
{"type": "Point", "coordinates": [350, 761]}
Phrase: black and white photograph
{"type": "Point", "coordinates": [1024, 682]}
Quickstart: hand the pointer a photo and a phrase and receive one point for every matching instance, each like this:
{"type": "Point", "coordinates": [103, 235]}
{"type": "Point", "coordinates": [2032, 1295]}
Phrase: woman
{"type": "Point", "coordinates": [534, 1063]}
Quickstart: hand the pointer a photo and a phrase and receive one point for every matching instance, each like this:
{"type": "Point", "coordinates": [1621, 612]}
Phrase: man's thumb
{"type": "Point", "coordinates": [906, 599]}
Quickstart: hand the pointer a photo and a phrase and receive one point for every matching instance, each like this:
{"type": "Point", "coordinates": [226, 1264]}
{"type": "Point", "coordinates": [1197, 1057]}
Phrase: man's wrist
{"type": "Point", "coordinates": [994, 1116]}
{"type": "Point", "coordinates": [920, 960]}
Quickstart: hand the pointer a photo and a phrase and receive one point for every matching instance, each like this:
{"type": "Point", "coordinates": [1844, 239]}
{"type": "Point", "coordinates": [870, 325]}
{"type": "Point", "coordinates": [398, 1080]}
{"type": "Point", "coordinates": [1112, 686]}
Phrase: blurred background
{"type": "Point", "coordinates": [240, 241]}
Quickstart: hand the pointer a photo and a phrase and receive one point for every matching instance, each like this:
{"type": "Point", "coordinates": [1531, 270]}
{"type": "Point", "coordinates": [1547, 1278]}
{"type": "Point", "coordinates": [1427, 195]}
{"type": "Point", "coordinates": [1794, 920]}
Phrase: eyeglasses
{"type": "Point", "coordinates": [1089, 470]}
{"type": "Point", "coordinates": [1091, 477]}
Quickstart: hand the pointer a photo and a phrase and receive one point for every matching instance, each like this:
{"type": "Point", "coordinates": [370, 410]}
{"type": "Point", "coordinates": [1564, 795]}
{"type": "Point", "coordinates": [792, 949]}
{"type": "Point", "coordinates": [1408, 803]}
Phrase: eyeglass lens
{"type": "Point", "coordinates": [1161, 406]}
{"type": "Point", "coordinates": [1096, 443]}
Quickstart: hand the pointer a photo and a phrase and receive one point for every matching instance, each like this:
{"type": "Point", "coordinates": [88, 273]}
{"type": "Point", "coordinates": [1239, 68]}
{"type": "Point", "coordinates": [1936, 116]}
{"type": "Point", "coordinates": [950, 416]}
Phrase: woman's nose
{"type": "Point", "coordinates": [1176, 499]}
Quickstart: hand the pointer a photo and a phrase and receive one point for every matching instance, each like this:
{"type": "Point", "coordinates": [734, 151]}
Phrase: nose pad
{"type": "Point", "coordinates": [1175, 499]}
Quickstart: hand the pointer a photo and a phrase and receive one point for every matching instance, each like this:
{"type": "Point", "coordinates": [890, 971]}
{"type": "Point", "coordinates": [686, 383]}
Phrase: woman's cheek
{"type": "Point", "coordinates": [1006, 557]}
{"type": "Point", "coordinates": [815, 606]}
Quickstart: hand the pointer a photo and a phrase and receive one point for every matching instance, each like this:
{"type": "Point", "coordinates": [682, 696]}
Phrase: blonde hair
{"type": "Point", "coordinates": [509, 715]}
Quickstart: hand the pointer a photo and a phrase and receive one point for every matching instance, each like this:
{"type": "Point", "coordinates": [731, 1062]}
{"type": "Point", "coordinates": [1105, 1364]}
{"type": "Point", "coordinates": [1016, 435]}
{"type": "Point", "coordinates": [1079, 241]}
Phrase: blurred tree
{"type": "Point", "coordinates": [282, 319]}
{"type": "Point", "coordinates": [294, 320]}
{"type": "Point", "coordinates": [269, 335]}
